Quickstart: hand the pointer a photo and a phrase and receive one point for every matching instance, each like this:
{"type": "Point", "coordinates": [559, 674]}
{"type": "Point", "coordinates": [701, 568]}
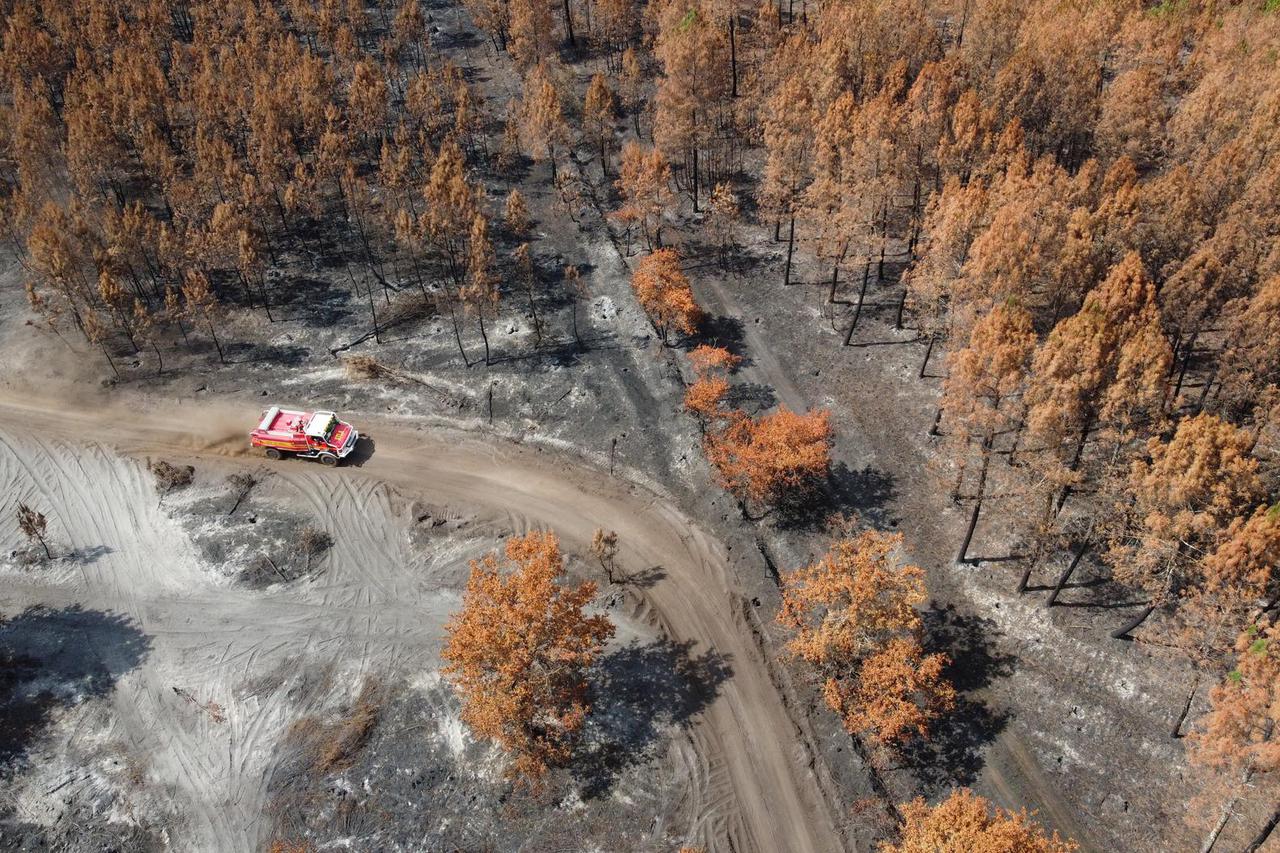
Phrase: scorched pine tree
{"type": "Point", "coordinates": [518, 652]}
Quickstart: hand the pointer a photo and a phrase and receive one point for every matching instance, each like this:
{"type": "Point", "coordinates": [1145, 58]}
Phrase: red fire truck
{"type": "Point", "coordinates": [308, 435]}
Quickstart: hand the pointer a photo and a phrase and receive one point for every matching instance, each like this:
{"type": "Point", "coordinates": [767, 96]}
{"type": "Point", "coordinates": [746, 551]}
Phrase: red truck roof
{"type": "Point", "coordinates": [284, 421]}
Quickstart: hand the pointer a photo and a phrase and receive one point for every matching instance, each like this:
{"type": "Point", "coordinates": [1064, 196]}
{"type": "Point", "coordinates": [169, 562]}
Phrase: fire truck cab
{"type": "Point", "coordinates": [309, 435]}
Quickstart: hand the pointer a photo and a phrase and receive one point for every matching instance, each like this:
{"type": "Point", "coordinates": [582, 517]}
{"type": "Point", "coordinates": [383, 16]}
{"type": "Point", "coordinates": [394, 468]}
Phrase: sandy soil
{"type": "Point", "coordinates": [370, 608]}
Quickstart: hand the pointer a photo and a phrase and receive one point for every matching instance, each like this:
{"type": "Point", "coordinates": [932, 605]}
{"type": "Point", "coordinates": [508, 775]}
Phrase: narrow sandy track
{"type": "Point", "coordinates": [762, 797]}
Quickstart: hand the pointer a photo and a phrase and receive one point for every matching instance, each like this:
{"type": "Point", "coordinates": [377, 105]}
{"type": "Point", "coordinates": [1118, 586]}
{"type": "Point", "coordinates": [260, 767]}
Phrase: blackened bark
{"type": "Point", "coordinates": [377, 330]}
{"type": "Point", "coordinates": [977, 501]}
{"type": "Point", "coordinates": [1186, 361]}
{"type": "Point", "coordinates": [733, 53]}
{"type": "Point", "coordinates": [1026, 576]}
{"type": "Point", "coordinates": [1186, 708]}
{"type": "Point", "coordinates": [485, 337]}
{"type": "Point", "coordinates": [927, 352]}
{"type": "Point", "coordinates": [1122, 633]}
{"type": "Point", "coordinates": [968, 534]}
{"type": "Point", "coordinates": [1081, 550]}
{"type": "Point", "coordinates": [1265, 832]}
{"type": "Point", "coordinates": [457, 333]}
{"type": "Point", "coordinates": [791, 245]}
{"type": "Point", "coordinates": [110, 360]}
{"type": "Point", "coordinates": [862, 298]}
{"type": "Point", "coordinates": [1075, 459]}
{"type": "Point", "coordinates": [695, 178]}
{"type": "Point", "coordinates": [568, 24]}
{"type": "Point", "coordinates": [216, 343]}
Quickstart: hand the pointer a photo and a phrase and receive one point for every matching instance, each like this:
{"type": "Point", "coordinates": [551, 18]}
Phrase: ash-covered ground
{"type": "Point", "coordinates": [1056, 717]}
{"type": "Point", "coordinates": [161, 694]}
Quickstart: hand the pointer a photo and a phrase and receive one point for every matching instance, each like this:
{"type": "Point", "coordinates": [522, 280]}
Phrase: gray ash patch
{"type": "Point", "coordinates": [421, 783]}
{"type": "Point", "coordinates": [83, 830]}
{"type": "Point", "coordinates": [260, 544]}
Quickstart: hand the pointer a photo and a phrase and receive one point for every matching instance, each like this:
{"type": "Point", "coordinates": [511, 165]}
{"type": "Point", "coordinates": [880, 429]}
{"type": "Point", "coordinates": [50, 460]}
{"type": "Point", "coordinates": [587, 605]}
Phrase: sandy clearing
{"type": "Point", "coordinates": [759, 792]}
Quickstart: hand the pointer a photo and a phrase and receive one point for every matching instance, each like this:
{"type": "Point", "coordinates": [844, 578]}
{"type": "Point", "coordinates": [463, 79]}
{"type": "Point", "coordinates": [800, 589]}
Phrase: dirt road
{"type": "Point", "coordinates": [759, 793]}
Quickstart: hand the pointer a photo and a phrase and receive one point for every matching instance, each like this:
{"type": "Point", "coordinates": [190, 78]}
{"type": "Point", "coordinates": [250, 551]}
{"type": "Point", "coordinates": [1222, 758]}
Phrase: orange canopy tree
{"type": "Point", "coordinates": [518, 651]}
{"type": "Point", "coordinates": [1240, 736]}
{"type": "Point", "coordinates": [777, 458]}
{"type": "Point", "coordinates": [1183, 499]}
{"type": "Point", "coordinates": [704, 398]}
{"type": "Point", "coordinates": [663, 291]}
{"type": "Point", "coordinates": [965, 823]}
{"type": "Point", "coordinates": [855, 621]}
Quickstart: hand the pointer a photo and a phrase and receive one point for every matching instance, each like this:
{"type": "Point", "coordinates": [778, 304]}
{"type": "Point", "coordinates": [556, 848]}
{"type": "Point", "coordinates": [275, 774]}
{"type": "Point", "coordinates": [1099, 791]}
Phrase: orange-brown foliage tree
{"type": "Point", "coordinates": [518, 653]}
{"type": "Point", "coordinates": [704, 398]}
{"type": "Point", "coordinates": [778, 458]}
{"type": "Point", "coordinates": [1183, 499]}
{"type": "Point", "coordinates": [643, 180]}
{"type": "Point", "coordinates": [979, 399]}
{"type": "Point", "coordinates": [599, 107]}
{"type": "Point", "coordinates": [663, 291]}
{"type": "Point", "coordinates": [1240, 736]}
{"type": "Point", "coordinates": [855, 618]}
{"type": "Point", "coordinates": [966, 823]}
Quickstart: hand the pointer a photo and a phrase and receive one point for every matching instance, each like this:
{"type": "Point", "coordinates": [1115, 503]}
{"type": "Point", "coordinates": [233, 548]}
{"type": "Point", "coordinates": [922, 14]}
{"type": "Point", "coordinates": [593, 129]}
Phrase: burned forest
{"type": "Point", "coordinates": [654, 425]}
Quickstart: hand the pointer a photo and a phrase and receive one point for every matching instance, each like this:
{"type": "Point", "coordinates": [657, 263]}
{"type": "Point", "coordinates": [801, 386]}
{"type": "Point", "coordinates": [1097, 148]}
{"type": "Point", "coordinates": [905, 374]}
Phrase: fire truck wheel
{"type": "Point", "coordinates": [328, 459]}
{"type": "Point", "coordinates": [273, 453]}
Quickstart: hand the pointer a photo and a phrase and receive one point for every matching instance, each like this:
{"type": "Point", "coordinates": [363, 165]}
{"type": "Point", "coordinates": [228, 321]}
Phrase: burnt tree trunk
{"type": "Point", "coordinates": [928, 351]}
{"type": "Point", "coordinates": [484, 336]}
{"type": "Point", "coordinates": [977, 502]}
{"type": "Point", "coordinates": [1186, 708]}
{"type": "Point", "coordinates": [1265, 832]}
{"type": "Point", "coordinates": [695, 177]}
{"type": "Point", "coordinates": [1075, 459]}
{"type": "Point", "coordinates": [217, 344]}
{"type": "Point", "coordinates": [733, 54]}
{"type": "Point", "coordinates": [457, 334]}
{"type": "Point", "coordinates": [791, 245]}
{"type": "Point", "coordinates": [862, 298]}
{"type": "Point", "coordinates": [1081, 550]}
{"type": "Point", "coordinates": [1122, 633]}
{"type": "Point", "coordinates": [1187, 354]}
{"type": "Point", "coordinates": [568, 24]}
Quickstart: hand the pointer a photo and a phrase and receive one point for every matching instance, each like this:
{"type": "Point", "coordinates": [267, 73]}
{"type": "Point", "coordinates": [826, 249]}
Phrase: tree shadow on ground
{"type": "Point", "coordinates": [87, 555]}
{"type": "Point", "coordinates": [751, 397]}
{"type": "Point", "coordinates": [52, 659]}
{"type": "Point", "coordinates": [317, 302]}
{"type": "Point", "coordinates": [720, 331]}
{"type": "Point", "coordinates": [640, 690]}
{"type": "Point", "coordinates": [953, 753]}
{"type": "Point", "coordinates": [558, 354]}
{"type": "Point", "coordinates": [867, 494]}
{"type": "Point", "coordinates": [645, 578]}
{"type": "Point", "coordinates": [266, 354]}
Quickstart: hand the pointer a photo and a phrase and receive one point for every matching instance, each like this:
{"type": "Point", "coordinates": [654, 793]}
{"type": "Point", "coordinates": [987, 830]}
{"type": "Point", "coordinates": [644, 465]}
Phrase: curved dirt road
{"type": "Point", "coordinates": [761, 792]}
